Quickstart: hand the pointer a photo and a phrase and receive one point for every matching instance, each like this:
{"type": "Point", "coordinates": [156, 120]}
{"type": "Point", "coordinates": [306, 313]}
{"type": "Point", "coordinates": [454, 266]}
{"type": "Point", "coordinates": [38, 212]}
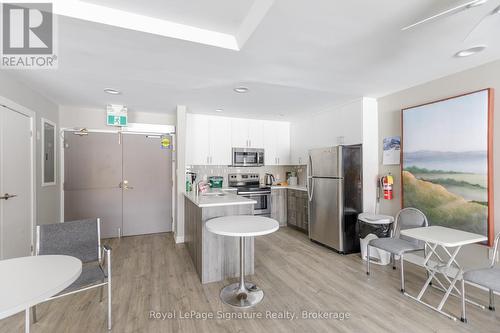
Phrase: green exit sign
{"type": "Point", "coordinates": [117, 120]}
{"type": "Point", "coordinates": [116, 115]}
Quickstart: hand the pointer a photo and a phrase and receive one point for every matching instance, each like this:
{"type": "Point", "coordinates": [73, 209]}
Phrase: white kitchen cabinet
{"type": "Point", "coordinates": [276, 142]}
{"type": "Point", "coordinates": [219, 129]}
{"type": "Point", "coordinates": [255, 133]}
{"type": "Point", "coordinates": [299, 156]}
{"type": "Point", "coordinates": [247, 133]}
{"type": "Point", "coordinates": [239, 133]}
{"type": "Point", "coordinates": [208, 140]}
{"type": "Point", "coordinates": [283, 143]}
{"type": "Point", "coordinates": [198, 148]}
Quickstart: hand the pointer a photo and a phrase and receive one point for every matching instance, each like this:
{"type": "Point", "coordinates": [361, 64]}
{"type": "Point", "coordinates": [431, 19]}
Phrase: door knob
{"type": "Point", "coordinates": [7, 196]}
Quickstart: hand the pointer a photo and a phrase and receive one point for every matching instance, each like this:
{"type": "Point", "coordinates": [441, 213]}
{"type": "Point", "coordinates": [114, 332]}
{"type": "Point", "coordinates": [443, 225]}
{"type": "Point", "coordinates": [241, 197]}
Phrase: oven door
{"type": "Point", "coordinates": [263, 205]}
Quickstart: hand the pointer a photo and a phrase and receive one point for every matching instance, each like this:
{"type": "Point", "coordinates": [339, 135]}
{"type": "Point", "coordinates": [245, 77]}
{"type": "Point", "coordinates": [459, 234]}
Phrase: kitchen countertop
{"type": "Point", "coordinates": [294, 187]}
{"type": "Point", "coordinates": [228, 199]}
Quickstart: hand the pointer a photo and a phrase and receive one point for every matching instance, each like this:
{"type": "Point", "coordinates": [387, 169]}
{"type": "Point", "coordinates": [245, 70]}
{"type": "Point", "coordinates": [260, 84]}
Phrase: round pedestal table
{"type": "Point", "coordinates": [27, 281]}
{"type": "Point", "coordinates": [242, 294]}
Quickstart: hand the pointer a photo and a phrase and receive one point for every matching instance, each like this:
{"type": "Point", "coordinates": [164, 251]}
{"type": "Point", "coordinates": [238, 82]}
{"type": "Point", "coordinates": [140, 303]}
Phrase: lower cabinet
{"type": "Point", "coordinates": [278, 205]}
{"type": "Point", "coordinates": [297, 209]}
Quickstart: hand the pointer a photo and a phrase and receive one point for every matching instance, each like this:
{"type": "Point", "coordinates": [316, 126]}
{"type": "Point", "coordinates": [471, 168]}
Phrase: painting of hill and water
{"type": "Point", "coordinates": [445, 162]}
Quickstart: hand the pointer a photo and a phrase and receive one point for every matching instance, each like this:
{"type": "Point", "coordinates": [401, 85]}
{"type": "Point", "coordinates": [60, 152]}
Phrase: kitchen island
{"type": "Point", "coordinates": [215, 257]}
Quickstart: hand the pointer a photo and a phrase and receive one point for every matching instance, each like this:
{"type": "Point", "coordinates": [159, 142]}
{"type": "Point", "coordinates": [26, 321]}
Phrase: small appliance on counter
{"type": "Point", "coordinates": [269, 179]}
{"type": "Point", "coordinates": [190, 180]}
{"type": "Point", "coordinates": [292, 178]}
{"type": "Point", "coordinates": [215, 181]}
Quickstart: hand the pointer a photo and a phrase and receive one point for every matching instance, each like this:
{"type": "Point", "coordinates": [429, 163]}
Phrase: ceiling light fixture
{"type": "Point", "coordinates": [470, 51]}
{"type": "Point", "coordinates": [241, 90]}
{"type": "Point", "coordinates": [112, 91]}
{"type": "Point", "coordinates": [218, 110]}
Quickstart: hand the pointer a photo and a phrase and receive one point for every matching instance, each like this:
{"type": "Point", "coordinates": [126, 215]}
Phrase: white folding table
{"type": "Point", "coordinates": [450, 241]}
{"type": "Point", "coordinates": [27, 281]}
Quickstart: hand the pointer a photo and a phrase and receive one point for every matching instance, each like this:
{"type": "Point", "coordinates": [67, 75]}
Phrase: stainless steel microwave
{"type": "Point", "coordinates": [248, 157]}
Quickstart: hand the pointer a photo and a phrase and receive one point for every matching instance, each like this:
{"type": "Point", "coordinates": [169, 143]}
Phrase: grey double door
{"type": "Point", "coordinates": [124, 179]}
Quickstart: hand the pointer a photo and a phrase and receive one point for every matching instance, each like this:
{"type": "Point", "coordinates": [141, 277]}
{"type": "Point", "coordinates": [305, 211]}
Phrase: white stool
{"type": "Point", "coordinates": [242, 294]}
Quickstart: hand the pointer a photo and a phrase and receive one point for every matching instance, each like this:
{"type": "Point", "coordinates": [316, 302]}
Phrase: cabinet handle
{"type": "Point", "coordinates": [278, 160]}
{"type": "Point", "coordinates": [208, 160]}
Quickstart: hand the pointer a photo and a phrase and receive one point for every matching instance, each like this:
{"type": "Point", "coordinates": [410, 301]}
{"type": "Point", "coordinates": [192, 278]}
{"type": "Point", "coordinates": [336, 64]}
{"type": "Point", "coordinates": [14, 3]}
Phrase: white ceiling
{"type": "Point", "coordinates": [303, 56]}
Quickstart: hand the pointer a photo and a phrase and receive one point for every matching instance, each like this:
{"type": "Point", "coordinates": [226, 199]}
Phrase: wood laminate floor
{"type": "Point", "coordinates": [152, 273]}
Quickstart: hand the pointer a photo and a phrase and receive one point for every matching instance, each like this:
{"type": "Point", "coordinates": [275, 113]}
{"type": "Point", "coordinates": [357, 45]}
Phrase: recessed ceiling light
{"type": "Point", "coordinates": [470, 51]}
{"type": "Point", "coordinates": [241, 90]}
{"type": "Point", "coordinates": [112, 91]}
{"type": "Point", "coordinates": [218, 110]}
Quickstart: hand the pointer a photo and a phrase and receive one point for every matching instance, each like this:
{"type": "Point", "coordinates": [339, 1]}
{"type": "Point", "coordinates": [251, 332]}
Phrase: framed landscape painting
{"type": "Point", "coordinates": [447, 170]}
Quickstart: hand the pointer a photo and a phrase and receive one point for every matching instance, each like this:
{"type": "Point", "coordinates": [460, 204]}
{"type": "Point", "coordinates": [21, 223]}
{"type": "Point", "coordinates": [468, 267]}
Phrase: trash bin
{"type": "Point", "coordinates": [372, 226]}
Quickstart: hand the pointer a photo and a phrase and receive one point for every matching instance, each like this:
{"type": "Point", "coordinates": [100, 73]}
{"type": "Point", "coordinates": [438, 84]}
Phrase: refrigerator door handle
{"type": "Point", "coordinates": [310, 181]}
{"type": "Point", "coordinates": [310, 188]}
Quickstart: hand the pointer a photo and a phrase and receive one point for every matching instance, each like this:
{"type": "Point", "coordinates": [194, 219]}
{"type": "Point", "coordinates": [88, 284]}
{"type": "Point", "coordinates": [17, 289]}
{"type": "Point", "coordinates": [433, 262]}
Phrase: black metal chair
{"type": "Point", "coordinates": [80, 239]}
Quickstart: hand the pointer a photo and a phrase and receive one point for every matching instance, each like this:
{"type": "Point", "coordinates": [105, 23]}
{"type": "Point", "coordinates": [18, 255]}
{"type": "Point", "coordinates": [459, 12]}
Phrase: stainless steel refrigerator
{"type": "Point", "coordinates": [335, 196]}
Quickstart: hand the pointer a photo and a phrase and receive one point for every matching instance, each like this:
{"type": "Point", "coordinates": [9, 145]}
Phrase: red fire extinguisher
{"type": "Point", "coordinates": [387, 186]}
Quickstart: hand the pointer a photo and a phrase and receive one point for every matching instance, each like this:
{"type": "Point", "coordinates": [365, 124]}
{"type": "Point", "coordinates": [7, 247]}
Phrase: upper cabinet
{"type": "Point", "coordinates": [208, 140]}
{"type": "Point", "coordinates": [247, 133]}
{"type": "Point", "coordinates": [276, 142]}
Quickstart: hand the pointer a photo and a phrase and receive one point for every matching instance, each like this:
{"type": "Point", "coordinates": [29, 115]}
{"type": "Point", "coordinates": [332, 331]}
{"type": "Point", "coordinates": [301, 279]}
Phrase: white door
{"type": "Point", "coordinates": [197, 140]}
{"type": "Point", "coordinates": [239, 133]}
{"type": "Point", "coordinates": [16, 180]}
{"type": "Point", "coordinates": [256, 133]}
{"type": "Point", "coordinates": [220, 140]}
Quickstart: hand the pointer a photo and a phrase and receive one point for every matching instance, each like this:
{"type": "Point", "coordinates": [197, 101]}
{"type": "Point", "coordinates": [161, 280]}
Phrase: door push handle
{"type": "Point", "coordinates": [124, 185]}
{"type": "Point", "coordinates": [7, 196]}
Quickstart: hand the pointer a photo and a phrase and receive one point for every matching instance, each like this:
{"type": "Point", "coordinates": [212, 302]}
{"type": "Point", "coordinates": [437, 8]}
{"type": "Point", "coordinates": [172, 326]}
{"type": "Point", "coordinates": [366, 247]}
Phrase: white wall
{"type": "Point", "coordinates": [47, 198]}
{"type": "Point", "coordinates": [75, 117]}
{"type": "Point", "coordinates": [180, 155]}
{"type": "Point", "coordinates": [486, 76]}
{"type": "Point", "coordinates": [370, 154]}
{"type": "Point", "coordinates": [351, 123]}
{"type": "Point", "coordinates": [323, 129]}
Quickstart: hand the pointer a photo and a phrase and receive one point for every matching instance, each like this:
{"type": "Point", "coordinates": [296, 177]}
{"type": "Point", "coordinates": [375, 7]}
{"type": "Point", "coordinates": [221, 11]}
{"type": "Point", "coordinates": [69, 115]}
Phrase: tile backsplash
{"type": "Point", "coordinates": [279, 172]}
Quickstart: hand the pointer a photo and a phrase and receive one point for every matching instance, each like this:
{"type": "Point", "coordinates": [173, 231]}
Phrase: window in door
{"type": "Point", "coordinates": [48, 153]}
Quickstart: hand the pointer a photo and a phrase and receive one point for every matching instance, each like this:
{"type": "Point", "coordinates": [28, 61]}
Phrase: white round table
{"type": "Point", "coordinates": [242, 294]}
{"type": "Point", "coordinates": [27, 281]}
